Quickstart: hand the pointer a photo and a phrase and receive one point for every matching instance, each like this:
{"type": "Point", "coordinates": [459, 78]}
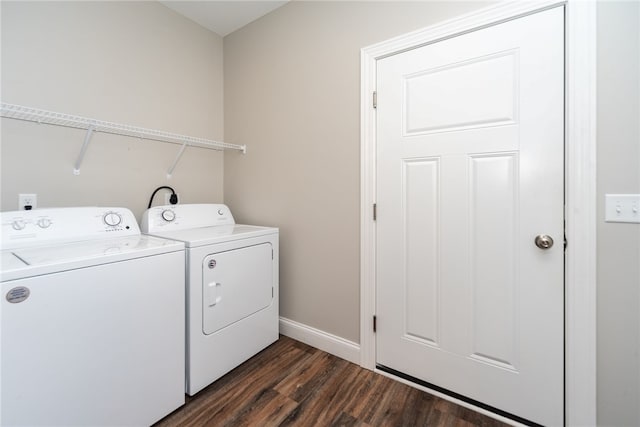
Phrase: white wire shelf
{"type": "Point", "coordinates": [20, 112]}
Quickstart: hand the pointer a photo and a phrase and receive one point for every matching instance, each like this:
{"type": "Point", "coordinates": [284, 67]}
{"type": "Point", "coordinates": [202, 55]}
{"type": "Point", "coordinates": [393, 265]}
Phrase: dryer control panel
{"type": "Point", "coordinates": [41, 226]}
{"type": "Point", "coordinates": [183, 217]}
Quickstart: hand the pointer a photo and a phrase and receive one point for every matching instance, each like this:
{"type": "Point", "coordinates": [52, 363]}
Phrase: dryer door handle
{"type": "Point", "coordinates": [213, 291]}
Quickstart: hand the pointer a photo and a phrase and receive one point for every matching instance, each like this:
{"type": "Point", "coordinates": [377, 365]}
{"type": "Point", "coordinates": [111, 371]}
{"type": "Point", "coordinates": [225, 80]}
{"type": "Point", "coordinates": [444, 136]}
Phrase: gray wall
{"type": "Point", "coordinates": [618, 298]}
{"type": "Point", "coordinates": [137, 63]}
{"type": "Point", "coordinates": [292, 94]}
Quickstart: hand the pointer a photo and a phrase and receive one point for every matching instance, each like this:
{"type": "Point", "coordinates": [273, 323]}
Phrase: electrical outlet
{"type": "Point", "coordinates": [622, 208]}
{"type": "Point", "coordinates": [167, 196]}
{"type": "Point", "coordinates": [27, 201]}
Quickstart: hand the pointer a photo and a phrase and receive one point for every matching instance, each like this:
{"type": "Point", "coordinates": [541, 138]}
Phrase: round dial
{"type": "Point", "coordinates": [112, 219]}
{"type": "Point", "coordinates": [168, 215]}
{"type": "Point", "coordinates": [18, 224]}
{"type": "Point", "coordinates": [44, 222]}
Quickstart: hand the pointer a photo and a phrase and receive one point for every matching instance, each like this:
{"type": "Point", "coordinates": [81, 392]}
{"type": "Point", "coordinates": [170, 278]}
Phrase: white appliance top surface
{"type": "Point", "coordinates": [38, 260]}
{"type": "Point", "coordinates": [195, 237]}
{"type": "Point", "coordinates": [198, 224]}
{"type": "Point", "coordinates": [44, 241]}
{"type": "Point", "coordinates": [10, 261]}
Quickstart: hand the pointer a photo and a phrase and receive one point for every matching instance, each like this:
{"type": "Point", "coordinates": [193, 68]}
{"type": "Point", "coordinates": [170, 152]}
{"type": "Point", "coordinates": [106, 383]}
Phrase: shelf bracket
{"type": "Point", "coordinates": [83, 150]}
{"type": "Point", "coordinates": [175, 162]}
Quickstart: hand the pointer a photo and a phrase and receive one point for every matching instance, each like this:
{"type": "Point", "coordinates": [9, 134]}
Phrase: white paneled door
{"type": "Point", "coordinates": [470, 167]}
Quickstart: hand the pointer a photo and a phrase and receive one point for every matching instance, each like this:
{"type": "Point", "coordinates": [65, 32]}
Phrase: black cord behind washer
{"type": "Point", "coordinates": [173, 199]}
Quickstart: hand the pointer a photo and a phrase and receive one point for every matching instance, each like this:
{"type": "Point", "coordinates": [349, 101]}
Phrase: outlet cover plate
{"type": "Point", "coordinates": [27, 200]}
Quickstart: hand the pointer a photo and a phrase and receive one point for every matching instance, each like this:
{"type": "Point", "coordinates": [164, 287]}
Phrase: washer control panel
{"type": "Point", "coordinates": [39, 226]}
{"type": "Point", "coordinates": [185, 216]}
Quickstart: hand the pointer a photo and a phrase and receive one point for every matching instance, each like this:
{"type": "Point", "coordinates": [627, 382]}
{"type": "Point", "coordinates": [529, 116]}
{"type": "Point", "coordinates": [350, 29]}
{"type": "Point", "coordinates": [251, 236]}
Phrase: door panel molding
{"type": "Point", "coordinates": [421, 212]}
{"type": "Point", "coordinates": [490, 280]}
{"type": "Point", "coordinates": [498, 74]}
{"type": "Point", "coordinates": [580, 188]}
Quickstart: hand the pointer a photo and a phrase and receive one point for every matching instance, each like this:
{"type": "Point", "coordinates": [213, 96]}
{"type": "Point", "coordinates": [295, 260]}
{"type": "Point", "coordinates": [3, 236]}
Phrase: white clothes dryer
{"type": "Point", "coordinates": [232, 286]}
{"type": "Point", "coordinates": [92, 319]}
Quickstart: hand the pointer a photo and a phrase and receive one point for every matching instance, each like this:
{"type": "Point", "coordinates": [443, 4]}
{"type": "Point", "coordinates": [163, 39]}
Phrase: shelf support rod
{"type": "Point", "coordinates": [83, 150]}
{"type": "Point", "coordinates": [175, 162]}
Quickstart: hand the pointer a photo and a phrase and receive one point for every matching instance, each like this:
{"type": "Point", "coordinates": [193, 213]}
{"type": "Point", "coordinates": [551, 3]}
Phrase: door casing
{"type": "Point", "coordinates": [580, 186]}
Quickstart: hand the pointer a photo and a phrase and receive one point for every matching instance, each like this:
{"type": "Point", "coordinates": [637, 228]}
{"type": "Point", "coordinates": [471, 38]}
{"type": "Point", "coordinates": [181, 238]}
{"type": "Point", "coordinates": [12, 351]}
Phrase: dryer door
{"type": "Point", "coordinates": [235, 284]}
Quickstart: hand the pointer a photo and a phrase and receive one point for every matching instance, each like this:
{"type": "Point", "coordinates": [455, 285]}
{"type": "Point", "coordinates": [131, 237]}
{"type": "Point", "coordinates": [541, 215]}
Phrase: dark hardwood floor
{"type": "Point", "coordinates": [293, 384]}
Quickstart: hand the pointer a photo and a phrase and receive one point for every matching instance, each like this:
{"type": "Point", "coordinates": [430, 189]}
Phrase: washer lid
{"type": "Point", "coordinates": [195, 237]}
{"type": "Point", "coordinates": [11, 262]}
{"type": "Point", "coordinates": [34, 261]}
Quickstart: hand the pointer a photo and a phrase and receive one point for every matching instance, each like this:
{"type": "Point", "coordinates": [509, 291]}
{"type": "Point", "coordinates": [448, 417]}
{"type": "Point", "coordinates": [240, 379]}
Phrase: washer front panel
{"type": "Point", "coordinates": [101, 345]}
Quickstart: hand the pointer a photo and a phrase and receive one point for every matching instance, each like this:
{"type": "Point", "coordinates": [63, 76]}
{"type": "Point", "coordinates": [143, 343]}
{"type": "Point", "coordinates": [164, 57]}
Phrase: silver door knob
{"type": "Point", "coordinates": [543, 241]}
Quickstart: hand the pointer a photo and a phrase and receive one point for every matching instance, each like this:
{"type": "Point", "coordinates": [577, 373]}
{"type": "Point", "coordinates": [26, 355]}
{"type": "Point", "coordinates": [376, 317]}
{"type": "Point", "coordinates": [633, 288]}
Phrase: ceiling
{"type": "Point", "coordinates": [223, 17]}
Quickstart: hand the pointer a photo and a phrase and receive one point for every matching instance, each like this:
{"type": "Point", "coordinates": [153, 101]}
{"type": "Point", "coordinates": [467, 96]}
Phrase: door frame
{"type": "Point", "coordinates": [580, 185]}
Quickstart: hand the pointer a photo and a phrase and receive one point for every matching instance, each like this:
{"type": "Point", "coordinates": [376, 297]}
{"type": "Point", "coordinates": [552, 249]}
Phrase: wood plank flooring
{"type": "Point", "coordinates": [293, 384]}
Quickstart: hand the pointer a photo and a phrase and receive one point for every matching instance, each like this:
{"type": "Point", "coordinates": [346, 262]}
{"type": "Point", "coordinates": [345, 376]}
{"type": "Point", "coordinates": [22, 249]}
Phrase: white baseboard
{"type": "Point", "coordinates": [332, 344]}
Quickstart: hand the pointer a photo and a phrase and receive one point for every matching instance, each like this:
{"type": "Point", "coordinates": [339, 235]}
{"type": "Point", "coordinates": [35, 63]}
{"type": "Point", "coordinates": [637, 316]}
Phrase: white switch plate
{"type": "Point", "coordinates": [622, 208]}
{"type": "Point", "coordinates": [27, 200]}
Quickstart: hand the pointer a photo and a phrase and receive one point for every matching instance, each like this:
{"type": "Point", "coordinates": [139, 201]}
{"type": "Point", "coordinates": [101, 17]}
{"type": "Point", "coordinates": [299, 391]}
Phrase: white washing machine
{"type": "Point", "coordinates": [92, 319]}
{"type": "Point", "coordinates": [232, 286]}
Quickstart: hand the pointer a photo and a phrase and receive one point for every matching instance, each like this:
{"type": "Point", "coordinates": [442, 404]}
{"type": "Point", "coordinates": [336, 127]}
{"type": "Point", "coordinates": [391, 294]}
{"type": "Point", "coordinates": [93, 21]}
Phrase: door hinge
{"type": "Point", "coordinates": [374, 323]}
{"type": "Point", "coordinates": [375, 211]}
{"type": "Point", "coordinates": [375, 99]}
{"type": "Point", "coordinates": [565, 243]}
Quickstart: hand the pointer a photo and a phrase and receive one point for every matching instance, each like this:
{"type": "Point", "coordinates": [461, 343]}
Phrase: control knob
{"type": "Point", "coordinates": [112, 219]}
{"type": "Point", "coordinates": [168, 215]}
{"type": "Point", "coordinates": [18, 224]}
{"type": "Point", "coordinates": [44, 222]}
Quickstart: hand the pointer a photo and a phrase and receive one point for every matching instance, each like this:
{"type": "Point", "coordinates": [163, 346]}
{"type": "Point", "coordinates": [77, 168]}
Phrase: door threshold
{"type": "Point", "coordinates": [454, 397]}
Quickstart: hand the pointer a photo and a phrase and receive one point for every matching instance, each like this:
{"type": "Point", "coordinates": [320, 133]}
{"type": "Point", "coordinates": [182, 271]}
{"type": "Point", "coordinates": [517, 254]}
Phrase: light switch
{"type": "Point", "coordinates": [622, 208]}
